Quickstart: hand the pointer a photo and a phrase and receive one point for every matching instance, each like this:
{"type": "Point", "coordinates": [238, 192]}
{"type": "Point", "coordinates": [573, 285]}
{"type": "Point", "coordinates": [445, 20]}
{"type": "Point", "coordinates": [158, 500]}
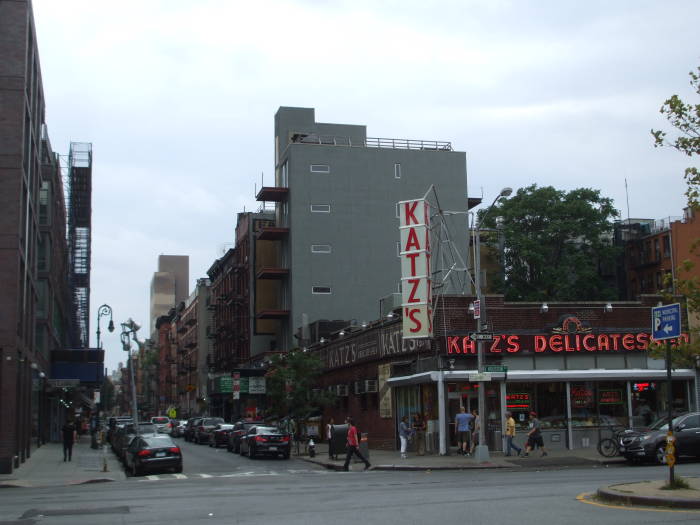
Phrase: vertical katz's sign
{"type": "Point", "coordinates": [414, 227]}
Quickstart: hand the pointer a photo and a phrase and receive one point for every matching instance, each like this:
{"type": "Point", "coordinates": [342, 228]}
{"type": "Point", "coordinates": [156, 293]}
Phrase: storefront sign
{"type": "Point", "coordinates": [518, 401]}
{"type": "Point", "coordinates": [555, 343]}
{"type": "Point", "coordinates": [414, 228]}
{"type": "Point", "coordinates": [581, 397]}
{"type": "Point", "coordinates": [610, 397]}
{"type": "Point", "coordinates": [383, 374]}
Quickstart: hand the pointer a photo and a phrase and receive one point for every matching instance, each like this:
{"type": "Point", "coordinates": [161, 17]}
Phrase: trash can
{"type": "Point", "coordinates": [339, 439]}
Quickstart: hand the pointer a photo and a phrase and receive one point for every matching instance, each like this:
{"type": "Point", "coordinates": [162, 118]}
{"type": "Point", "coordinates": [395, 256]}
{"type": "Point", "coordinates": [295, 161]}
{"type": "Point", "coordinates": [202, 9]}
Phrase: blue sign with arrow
{"type": "Point", "coordinates": [666, 321]}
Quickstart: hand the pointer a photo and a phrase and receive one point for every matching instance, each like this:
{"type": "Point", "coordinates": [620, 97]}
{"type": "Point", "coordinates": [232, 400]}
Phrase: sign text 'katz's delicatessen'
{"type": "Point", "coordinates": [554, 343]}
{"type": "Point", "coordinates": [570, 337]}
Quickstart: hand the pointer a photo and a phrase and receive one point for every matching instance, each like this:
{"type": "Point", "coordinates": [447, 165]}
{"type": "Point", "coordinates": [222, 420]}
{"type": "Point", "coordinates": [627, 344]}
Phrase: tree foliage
{"type": "Point", "coordinates": [555, 244]}
{"type": "Point", "coordinates": [685, 118]}
{"type": "Point", "coordinates": [292, 381]}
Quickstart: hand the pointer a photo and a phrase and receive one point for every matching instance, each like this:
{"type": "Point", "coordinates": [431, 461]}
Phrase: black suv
{"type": "Point", "coordinates": [651, 444]}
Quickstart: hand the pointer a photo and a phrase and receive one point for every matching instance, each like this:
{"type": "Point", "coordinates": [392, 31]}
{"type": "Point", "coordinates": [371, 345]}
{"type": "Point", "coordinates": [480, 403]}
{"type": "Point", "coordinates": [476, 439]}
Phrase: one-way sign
{"type": "Point", "coordinates": [481, 336]}
{"type": "Point", "coordinates": [666, 322]}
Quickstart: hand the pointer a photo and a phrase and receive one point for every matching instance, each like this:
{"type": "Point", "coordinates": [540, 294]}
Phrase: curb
{"type": "Point", "coordinates": [408, 468]}
{"type": "Point", "coordinates": [608, 494]}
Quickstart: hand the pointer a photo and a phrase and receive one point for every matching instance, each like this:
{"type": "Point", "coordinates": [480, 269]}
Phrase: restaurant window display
{"type": "Point", "coordinates": [599, 404]}
{"type": "Point", "coordinates": [649, 401]}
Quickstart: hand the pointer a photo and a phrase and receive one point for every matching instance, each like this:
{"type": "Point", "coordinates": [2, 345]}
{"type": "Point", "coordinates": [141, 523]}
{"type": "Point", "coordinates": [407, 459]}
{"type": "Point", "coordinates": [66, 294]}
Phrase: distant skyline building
{"type": "Point", "coordinates": [170, 285]}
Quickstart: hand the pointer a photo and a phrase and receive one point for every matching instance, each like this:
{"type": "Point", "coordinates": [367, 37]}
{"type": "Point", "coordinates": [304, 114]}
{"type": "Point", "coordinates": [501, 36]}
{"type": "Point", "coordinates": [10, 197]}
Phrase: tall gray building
{"type": "Point", "coordinates": [170, 285]}
{"type": "Point", "coordinates": [336, 218]}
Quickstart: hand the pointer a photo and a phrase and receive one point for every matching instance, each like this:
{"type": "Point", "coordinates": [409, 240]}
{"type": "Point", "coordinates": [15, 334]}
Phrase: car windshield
{"type": "Point", "coordinates": [662, 424]}
{"type": "Point", "coordinates": [213, 421]}
{"type": "Point", "coordinates": [159, 420]}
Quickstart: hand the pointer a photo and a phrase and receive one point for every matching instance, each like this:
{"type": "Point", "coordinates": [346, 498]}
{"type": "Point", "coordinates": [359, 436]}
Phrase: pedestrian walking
{"type": "Point", "coordinates": [476, 425]}
{"type": "Point", "coordinates": [329, 437]}
{"type": "Point", "coordinates": [510, 435]}
{"type": "Point", "coordinates": [404, 435]}
{"type": "Point", "coordinates": [462, 424]}
{"type": "Point", "coordinates": [69, 433]}
{"type": "Point", "coordinates": [353, 446]}
{"type": "Point", "coordinates": [419, 432]}
{"type": "Point", "coordinates": [534, 436]}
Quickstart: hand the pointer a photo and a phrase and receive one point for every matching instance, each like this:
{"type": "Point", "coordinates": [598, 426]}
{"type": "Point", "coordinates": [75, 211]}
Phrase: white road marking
{"type": "Point", "coordinates": [180, 476]}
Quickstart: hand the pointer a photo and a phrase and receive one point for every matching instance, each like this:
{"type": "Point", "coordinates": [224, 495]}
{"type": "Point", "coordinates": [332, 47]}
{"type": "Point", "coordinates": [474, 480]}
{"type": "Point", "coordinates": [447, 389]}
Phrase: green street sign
{"type": "Point", "coordinates": [496, 368]}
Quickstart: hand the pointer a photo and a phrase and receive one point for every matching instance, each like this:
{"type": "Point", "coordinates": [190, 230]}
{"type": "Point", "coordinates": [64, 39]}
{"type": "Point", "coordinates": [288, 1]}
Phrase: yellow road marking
{"type": "Point", "coordinates": [583, 498]}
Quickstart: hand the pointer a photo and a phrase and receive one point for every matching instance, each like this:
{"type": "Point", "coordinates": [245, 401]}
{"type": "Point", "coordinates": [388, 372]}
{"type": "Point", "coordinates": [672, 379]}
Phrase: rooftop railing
{"type": "Point", "coordinates": [371, 142]}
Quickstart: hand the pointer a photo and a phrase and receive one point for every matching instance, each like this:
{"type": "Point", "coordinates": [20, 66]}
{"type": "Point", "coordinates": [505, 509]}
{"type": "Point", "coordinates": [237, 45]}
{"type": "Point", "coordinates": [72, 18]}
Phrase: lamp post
{"type": "Point", "coordinates": [129, 329]}
{"type": "Point", "coordinates": [481, 453]}
{"type": "Point", "coordinates": [103, 310]}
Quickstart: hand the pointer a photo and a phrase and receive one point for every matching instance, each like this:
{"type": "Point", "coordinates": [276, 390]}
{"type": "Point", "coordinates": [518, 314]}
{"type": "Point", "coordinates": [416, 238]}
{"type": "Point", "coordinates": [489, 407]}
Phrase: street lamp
{"type": "Point", "coordinates": [481, 453]}
{"type": "Point", "coordinates": [129, 329]}
{"type": "Point", "coordinates": [103, 310]}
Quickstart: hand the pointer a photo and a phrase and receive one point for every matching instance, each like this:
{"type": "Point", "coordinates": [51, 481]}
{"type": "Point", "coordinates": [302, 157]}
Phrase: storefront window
{"type": "Point", "coordinates": [601, 404]}
{"type": "Point", "coordinates": [520, 401]}
{"type": "Point", "coordinates": [650, 401]}
{"type": "Point", "coordinates": [551, 405]}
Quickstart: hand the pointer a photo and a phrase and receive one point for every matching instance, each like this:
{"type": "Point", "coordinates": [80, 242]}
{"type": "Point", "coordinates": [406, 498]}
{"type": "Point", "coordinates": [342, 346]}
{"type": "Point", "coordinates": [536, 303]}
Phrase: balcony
{"type": "Point", "coordinates": [272, 314]}
{"type": "Point", "coordinates": [272, 194]}
{"type": "Point", "coordinates": [268, 272]}
{"type": "Point", "coordinates": [272, 233]}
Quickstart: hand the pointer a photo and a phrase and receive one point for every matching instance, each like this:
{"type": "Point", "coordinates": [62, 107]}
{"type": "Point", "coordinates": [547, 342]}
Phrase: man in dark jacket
{"type": "Point", "coordinates": [68, 432]}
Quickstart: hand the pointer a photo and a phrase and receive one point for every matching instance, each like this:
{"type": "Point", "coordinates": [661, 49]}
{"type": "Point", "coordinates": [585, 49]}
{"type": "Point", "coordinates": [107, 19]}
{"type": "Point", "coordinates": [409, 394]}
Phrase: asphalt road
{"type": "Point", "coordinates": [219, 487]}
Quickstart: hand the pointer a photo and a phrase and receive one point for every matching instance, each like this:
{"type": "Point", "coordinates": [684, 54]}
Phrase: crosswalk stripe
{"type": "Point", "coordinates": [180, 476]}
{"type": "Point", "coordinates": [153, 477]}
{"type": "Point", "coordinates": [206, 475]}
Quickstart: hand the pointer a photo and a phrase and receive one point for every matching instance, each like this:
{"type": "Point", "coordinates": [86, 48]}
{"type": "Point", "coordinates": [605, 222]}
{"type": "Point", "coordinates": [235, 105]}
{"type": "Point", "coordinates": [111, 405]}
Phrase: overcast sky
{"type": "Point", "coordinates": [178, 99]}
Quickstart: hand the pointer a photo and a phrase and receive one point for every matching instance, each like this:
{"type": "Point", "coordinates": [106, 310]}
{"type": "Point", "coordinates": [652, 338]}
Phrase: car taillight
{"type": "Point", "coordinates": [260, 439]}
{"type": "Point", "coordinates": [174, 450]}
{"type": "Point", "coordinates": [144, 453]}
{"type": "Point", "coordinates": [285, 438]}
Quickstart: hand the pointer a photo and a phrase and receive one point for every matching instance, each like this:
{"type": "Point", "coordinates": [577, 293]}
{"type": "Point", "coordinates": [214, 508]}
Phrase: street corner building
{"type": "Point", "coordinates": [582, 367]}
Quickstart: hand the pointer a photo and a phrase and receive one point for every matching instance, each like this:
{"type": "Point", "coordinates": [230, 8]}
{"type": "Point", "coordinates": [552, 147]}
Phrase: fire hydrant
{"type": "Point", "coordinates": [312, 448]}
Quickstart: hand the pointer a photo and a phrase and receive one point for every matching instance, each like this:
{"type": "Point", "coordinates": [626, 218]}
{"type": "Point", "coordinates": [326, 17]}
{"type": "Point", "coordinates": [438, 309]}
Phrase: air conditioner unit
{"type": "Point", "coordinates": [342, 390]}
{"type": "Point", "coordinates": [359, 387]}
{"type": "Point", "coordinates": [370, 386]}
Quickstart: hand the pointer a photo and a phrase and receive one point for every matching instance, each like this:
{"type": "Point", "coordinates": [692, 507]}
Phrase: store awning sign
{"type": "Point", "coordinates": [416, 291]}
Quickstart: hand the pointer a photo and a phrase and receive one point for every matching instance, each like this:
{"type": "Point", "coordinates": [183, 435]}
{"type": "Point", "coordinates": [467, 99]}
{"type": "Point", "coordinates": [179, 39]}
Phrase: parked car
{"type": "Point", "coordinates": [192, 423]}
{"type": "Point", "coordinates": [261, 440]}
{"type": "Point", "coordinates": [203, 431]}
{"type": "Point", "coordinates": [152, 453]}
{"type": "Point", "coordinates": [651, 444]}
{"type": "Point", "coordinates": [236, 434]}
{"type": "Point", "coordinates": [177, 428]}
{"type": "Point", "coordinates": [126, 433]}
{"type": "Point", "coordinates": [219, 435]}
{"type": "Point", "coordinates": [162, 423]}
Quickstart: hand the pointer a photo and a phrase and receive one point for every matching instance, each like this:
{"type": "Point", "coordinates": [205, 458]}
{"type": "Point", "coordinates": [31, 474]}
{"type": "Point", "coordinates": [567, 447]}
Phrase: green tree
{"type": "Point", "coordinates": [555, 244]}
{"type": "Point", "coordinates": [292, 381]}
{"type": "Point", "coordinates": [685, 118]}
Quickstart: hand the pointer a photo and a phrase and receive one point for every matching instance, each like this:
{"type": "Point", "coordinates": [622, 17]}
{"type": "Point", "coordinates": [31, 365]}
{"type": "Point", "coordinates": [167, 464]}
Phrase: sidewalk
{"type": "Point", "coordinates": [391, 460]}
{"type": "Point", "coordinates": [649, 493]}
{"type": "Point", "coordinates": [46, 467]}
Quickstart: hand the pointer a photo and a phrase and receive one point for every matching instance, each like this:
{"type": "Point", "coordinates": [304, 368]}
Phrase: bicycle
{"type": "Point", "coordinates": [609, 447]}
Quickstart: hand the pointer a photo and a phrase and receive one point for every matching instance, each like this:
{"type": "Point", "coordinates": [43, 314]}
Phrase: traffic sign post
{"type": "Point", "coordinates": [666, 322]}
{"type": "Point", "coordinates": [666, 325]}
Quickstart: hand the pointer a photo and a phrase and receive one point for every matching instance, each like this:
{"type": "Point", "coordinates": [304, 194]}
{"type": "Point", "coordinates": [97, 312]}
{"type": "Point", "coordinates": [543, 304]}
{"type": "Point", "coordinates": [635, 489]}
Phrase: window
{"type": "Point", "coordinates": [321, 290]}
{"type": "Point", "coordinates": [320, 168]}
{"type": "Point", "coordinates": [397, 170]}
{"type": "Point", "coordinates": [320, 208]}
{"type": "Point", "coordinates": [667, 246]}
{"type": "Point", "coordinates": [320, 248]}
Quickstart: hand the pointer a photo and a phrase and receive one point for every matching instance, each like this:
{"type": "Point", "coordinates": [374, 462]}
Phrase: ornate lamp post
{"type": "Point", "coordinates": [129, 329]}
{"type": "Point", "coordinates": [481, 452]}
{"type": "Point", "coordinates": [104, 310]}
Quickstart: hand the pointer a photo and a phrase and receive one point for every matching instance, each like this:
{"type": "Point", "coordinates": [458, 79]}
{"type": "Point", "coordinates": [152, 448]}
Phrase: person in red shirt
{"type": "Point", "coordinates": [353, 446]}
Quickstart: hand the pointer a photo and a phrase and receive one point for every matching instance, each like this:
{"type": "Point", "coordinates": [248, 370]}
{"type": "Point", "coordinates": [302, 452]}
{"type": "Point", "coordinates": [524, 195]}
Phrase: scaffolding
{"type": "Point", "coordinates": [79, 189]}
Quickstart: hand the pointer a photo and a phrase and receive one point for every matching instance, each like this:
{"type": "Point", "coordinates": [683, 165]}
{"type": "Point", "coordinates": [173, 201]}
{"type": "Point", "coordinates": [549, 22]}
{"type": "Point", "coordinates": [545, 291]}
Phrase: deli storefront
{"type": "Point", "coordinates": [582, 367]}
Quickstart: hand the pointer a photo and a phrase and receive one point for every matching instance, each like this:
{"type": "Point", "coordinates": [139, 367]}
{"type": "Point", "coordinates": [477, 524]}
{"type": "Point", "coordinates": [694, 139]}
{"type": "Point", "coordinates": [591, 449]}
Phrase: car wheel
{"type": "Point", "coordinates": [211, 444]}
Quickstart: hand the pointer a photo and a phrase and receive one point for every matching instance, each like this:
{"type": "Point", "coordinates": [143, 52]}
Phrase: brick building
{"type": "Point", "coordinates": [582, 366]}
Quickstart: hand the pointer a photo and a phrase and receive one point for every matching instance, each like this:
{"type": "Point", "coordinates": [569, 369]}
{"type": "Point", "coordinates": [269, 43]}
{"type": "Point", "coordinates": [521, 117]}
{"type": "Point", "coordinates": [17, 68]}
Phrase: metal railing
{"type": "Point", "coordinates": [372, 142]}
